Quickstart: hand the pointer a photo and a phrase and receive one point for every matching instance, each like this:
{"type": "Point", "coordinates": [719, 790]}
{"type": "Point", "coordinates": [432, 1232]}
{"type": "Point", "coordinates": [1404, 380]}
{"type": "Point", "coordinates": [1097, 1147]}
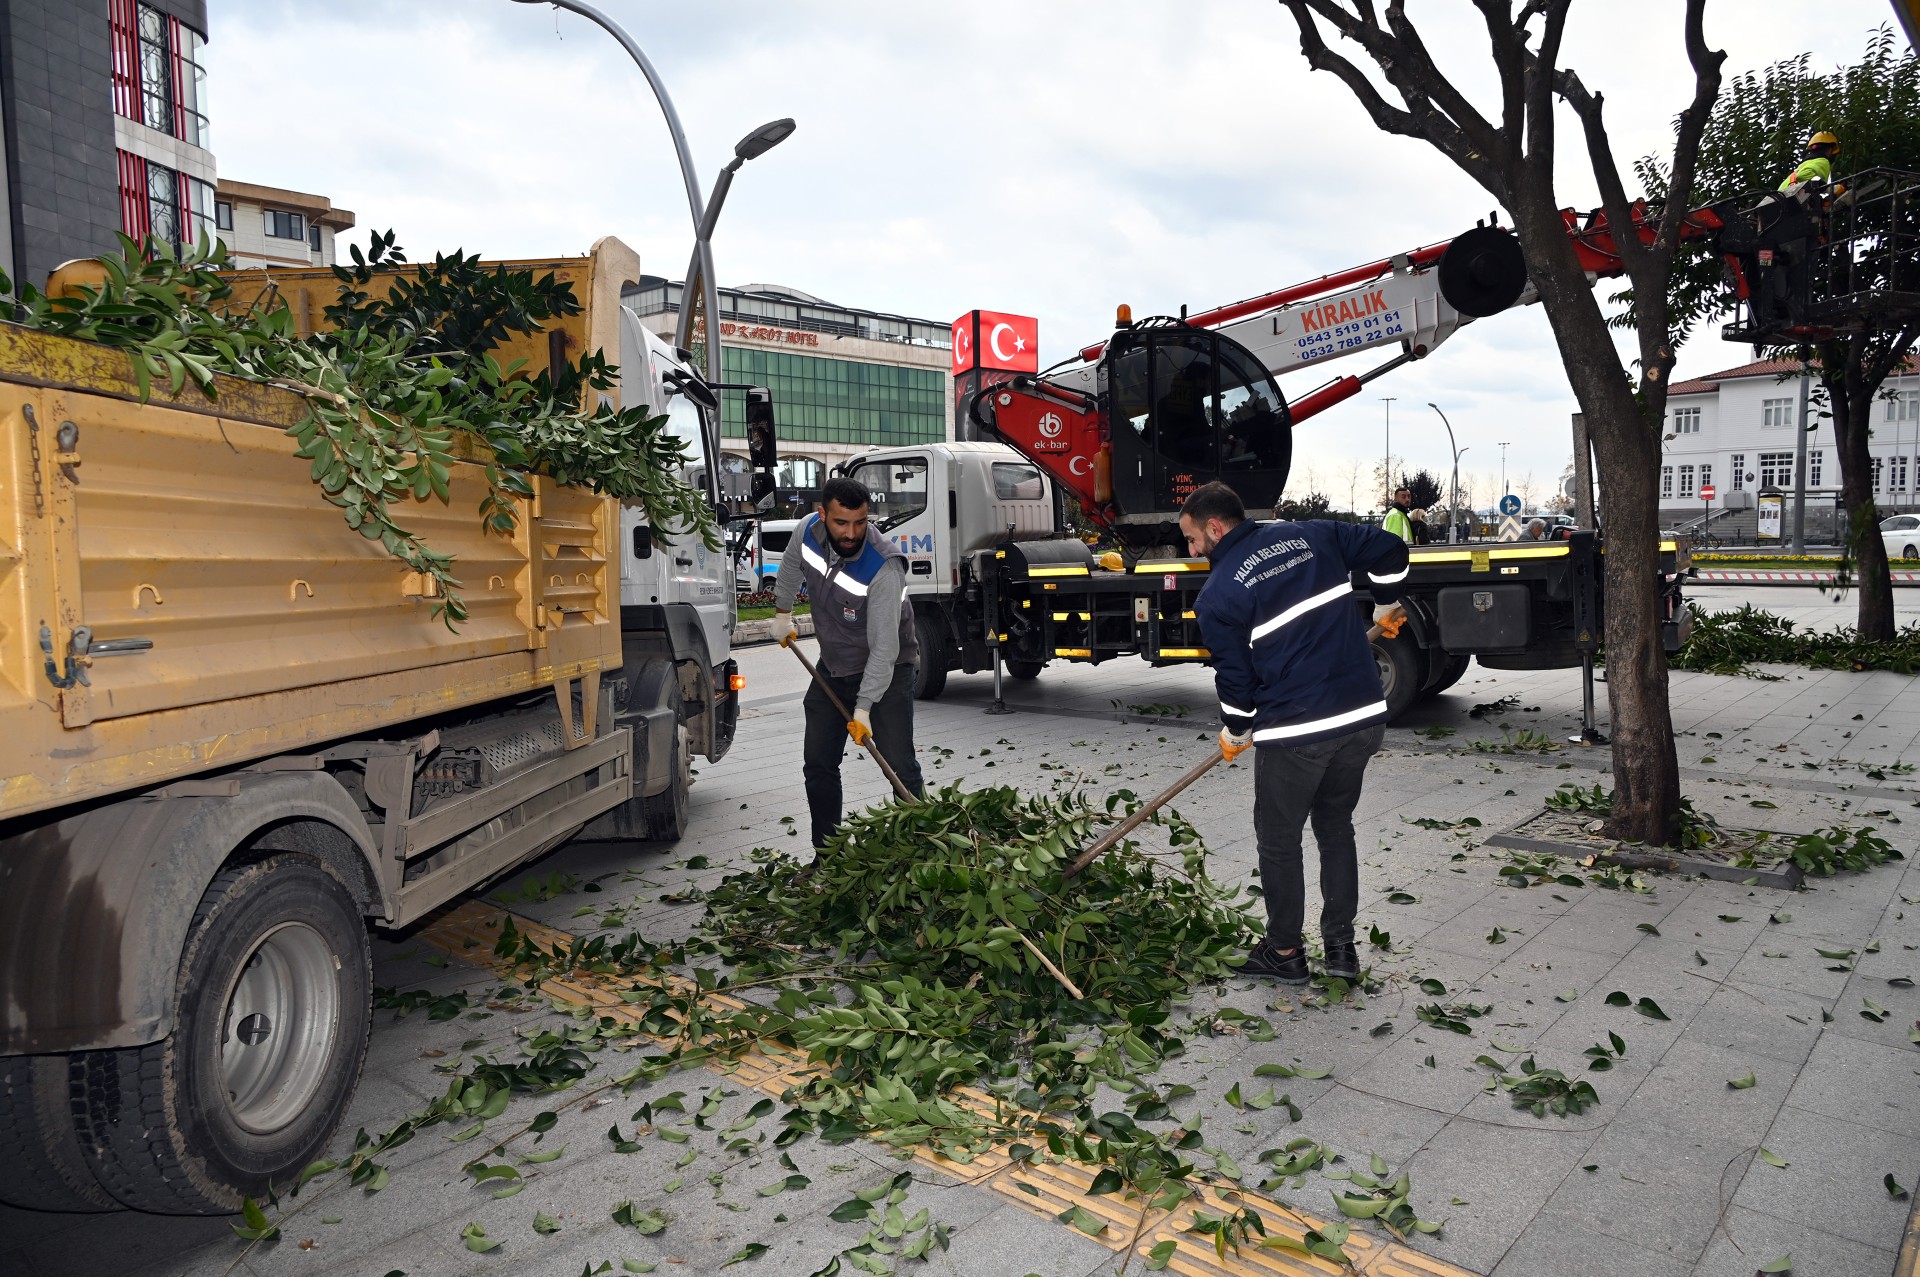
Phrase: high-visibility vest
{"type": "Point", "coordinates": [1818, 167]}
{"type": "Point", "coordinates": [1397, 523]}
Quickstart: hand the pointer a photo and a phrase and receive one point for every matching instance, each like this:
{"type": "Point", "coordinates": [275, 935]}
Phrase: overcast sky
{"type": "Point", "coordinates": [1042, 157]}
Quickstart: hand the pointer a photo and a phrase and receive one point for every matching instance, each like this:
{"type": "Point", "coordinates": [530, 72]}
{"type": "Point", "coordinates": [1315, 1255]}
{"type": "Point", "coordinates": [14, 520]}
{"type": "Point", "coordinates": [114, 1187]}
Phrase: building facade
{"type": "Point", "coordinates": [103, 108]}
{"type": "Point", "coordinates": [1737, 430]}
{"type": "Point", "coordinates": [267, 226]}
{"type": "Point", "coordinates": [843, 380]}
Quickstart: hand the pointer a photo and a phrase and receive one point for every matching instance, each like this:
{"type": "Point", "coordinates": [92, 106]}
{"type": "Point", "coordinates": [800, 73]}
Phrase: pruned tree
{"type": "Point", "coordinates": [1510, 153]}
{"type": "Point", "coordinates": [1752, 140]}
{"type": "Point", "coordinates": [1426, 490]}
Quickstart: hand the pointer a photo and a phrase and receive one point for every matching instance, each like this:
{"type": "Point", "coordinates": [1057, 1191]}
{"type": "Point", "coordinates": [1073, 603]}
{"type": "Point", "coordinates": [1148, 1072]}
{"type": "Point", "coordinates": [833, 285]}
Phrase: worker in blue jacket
{"type": "Point", "coordinates": [1296, 678]}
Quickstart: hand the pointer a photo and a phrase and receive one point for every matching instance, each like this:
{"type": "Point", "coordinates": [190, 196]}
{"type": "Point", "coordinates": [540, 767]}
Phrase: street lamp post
{"type": "Point", "coordinates": [1386, 468]}
{"type": "Point", "coordinates": [1504, 489]}
{"type": "Point", "coordinates": [1453, 507]}
{"type": "Point", "coordinates": [704, 214]}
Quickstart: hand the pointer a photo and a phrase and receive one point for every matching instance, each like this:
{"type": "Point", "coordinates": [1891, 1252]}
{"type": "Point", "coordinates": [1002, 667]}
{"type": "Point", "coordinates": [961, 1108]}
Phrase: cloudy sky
{"type": "Point", "coordinates": [1047, 157]}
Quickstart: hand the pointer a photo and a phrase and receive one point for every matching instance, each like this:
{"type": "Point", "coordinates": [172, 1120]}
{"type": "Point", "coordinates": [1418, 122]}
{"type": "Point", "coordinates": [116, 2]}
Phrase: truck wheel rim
{"type": "Point", "coordinates": [282, 1016]}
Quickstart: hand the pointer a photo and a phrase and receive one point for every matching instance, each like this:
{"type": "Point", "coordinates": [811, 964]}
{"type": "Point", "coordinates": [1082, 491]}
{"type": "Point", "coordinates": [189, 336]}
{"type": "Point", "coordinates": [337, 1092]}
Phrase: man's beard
{"type": "Point", "coordinates": [848, 549]}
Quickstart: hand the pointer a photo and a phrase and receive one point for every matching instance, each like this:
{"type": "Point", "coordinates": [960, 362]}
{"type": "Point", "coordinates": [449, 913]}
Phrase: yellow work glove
{"type": "Point", "coordinates": [782, 630]}
{"type": "Point", "coordinates": [861, 728]}
{"type": "Point", "coordinates": [1233, 744]}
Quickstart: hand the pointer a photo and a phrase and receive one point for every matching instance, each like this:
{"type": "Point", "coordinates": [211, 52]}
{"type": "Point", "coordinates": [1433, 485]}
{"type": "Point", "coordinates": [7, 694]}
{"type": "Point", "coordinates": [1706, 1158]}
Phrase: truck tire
{"type": "Point", "coordinates": [665, 813]}
{"type": "Point", "coordinates": [1451, 667]}
{"type": "Point", "coordinates": [41, 1165]}
{"type": "Point", "coordinates": [930, 674]}
{"type": "Point", "coordinates": [1025, 671]}
{"type": "Point", "coordinates": [273, 1003]}
{"type": "Point", "coordinates": [1403, 670]}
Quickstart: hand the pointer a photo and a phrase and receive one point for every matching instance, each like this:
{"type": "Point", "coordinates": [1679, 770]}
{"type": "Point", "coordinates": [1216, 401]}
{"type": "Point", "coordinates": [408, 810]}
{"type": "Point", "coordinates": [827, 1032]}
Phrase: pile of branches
{"type": "Point", "coordinates": [937, 944]}
{"type": "Point", "coordinates": [1732, 642]}
{"type": "Point", "coordinates": [393, 385]}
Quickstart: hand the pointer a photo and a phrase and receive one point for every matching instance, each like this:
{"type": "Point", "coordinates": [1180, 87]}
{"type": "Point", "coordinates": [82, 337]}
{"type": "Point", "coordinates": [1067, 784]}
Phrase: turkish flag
{"type": "Point", "coordinates": [990, 339]}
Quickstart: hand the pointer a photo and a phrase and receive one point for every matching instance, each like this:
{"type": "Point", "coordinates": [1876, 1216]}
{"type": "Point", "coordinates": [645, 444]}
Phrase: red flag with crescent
{"type": "Point", "coordinates": [990, 339]}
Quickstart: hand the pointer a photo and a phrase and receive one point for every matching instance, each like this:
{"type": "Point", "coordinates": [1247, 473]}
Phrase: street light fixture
{"type": "Point", "coordinates": [753, 145]}
{"type": "Point", "coordinates": [1453, 519]}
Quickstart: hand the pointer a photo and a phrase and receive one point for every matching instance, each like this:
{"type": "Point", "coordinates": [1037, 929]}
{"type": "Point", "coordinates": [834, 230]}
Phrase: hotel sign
{"type": "Point", "coordinates": [779, 336]}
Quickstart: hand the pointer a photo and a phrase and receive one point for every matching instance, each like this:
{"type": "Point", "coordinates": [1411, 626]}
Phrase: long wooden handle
{"type": "Point", "coordinates": [1138, 818]}
{"type": "Point", "coordinates": [873, 749]}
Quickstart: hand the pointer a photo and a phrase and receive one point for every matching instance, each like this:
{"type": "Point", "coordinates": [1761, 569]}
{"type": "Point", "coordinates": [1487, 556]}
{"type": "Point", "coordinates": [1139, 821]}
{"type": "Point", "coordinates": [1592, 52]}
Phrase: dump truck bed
{"type": "Point", "coordinates": [175, 561]}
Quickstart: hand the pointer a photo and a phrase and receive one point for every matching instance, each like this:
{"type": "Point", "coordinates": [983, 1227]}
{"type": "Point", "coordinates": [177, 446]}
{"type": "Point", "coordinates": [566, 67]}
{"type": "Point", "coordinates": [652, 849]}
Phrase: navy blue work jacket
{"type": "Point", "coordinates": [1291, 660]}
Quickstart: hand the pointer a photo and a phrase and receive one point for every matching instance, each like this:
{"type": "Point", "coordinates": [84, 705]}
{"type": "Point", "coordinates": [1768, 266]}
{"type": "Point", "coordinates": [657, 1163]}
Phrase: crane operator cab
{"type": "Point", "coordinates": [1187, 406]}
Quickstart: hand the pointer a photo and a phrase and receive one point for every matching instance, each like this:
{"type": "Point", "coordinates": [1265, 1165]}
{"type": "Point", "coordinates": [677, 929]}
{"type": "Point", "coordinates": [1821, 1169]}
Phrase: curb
{"type": "Point", "coordinates": [748, 633]}
{"type": "Point", "coordinates": [1785, 578]}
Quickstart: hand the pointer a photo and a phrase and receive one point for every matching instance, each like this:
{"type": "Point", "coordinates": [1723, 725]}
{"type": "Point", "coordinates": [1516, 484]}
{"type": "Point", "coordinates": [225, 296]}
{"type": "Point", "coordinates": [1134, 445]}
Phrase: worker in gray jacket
{"type": "Point", "coordinates": [856, 580]}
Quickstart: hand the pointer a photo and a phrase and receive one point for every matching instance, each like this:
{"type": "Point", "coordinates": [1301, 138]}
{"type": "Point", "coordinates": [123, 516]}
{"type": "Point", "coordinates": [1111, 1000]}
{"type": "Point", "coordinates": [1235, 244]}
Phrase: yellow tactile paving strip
{"type": "Point", "coordinates": [469, 932]}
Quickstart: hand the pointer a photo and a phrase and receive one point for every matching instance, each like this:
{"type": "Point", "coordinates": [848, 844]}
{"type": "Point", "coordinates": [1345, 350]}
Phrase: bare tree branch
{"type": "Point", "coordinates": [1509, 59]}
{"type": "Point", "coordinates": [1386, 117]}
{"type": "Point", "coordinates": [1693, 123]}
{"type": "Point", "coordinates": [1540, 110]}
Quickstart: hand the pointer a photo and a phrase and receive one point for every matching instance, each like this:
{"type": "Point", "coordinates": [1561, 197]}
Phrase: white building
{"type": "Point", "coordinates": [1737, 430]}
{"type": "Point", "coordinates": [266, 226]}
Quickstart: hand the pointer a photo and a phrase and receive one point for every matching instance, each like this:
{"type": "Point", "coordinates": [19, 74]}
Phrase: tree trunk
{"type": "Point", "coordinates": [1646, 770]}
{"type": "Point", "coordinates": [1852, 415]}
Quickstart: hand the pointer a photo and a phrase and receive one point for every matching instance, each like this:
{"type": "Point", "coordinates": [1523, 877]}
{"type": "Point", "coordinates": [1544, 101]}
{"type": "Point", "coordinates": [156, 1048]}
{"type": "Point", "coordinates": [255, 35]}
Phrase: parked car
{"type": "Point", "coordinates": [1901, 535]}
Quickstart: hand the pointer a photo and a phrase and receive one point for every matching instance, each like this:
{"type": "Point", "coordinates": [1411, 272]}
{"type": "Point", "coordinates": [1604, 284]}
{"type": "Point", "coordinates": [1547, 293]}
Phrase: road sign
{"type": "Point", "coordinates": [1706, 492]}
{"type": "Point", "coordinates": [1510, 504]}
{"type": "Point", "coordinates": [1510, 526]}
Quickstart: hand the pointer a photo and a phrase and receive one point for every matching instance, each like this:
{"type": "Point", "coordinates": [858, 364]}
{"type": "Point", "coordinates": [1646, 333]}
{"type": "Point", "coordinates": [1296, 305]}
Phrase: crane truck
{"type": "Point", "coordinates": [1134, 423]}
{"type": "Point", "coordinates": [235, 734]}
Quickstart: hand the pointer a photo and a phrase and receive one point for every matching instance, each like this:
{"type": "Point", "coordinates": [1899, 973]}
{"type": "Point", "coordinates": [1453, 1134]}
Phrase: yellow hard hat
{"type": "Point", "coordinates": [1823, 138]}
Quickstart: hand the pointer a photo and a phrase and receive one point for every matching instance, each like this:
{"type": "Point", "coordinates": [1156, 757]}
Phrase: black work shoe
{"type": "Point", "coordinates": [1342, 960]}
{"type": "Point", "coordinates": [1265, 962]}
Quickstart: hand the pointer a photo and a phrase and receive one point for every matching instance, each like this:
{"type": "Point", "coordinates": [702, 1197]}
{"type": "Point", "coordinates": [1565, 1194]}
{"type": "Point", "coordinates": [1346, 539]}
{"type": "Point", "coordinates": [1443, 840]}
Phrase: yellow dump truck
{"type": "Point", "coordinates": [232, 731]}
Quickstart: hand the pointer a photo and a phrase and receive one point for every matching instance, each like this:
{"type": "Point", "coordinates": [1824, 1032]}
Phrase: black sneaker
{"type": "Point", "coordinates": [1265, 962]}
{"type": "Point", "coordinates": [1342, 960]}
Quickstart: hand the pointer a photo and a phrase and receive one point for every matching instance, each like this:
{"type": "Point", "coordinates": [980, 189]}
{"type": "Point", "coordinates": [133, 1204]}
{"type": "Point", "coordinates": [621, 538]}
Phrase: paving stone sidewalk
{"type": "Point", "coordinates": [1663, 1176]}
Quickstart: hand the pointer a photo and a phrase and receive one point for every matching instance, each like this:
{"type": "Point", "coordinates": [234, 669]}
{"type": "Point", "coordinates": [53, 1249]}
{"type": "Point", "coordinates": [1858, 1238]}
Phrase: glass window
{"type": "Point", "coordinates": [801, 473]}
{"type": "Point", "coordinates": [1706, 475]}
{"type": "Point", "coordinates": [1686, 421]}
{"type": "Point", "coordinates": [156, 71]}
{"type": "Point", "coordinates": [191, 88]}
{"type": "Point", "coordinates": [1813, 468]}
{"type": "Point", "coordinates": [1737, 481]}
{"type": "Point", "coordinates": [1904, 406]}
{"type": "Point", "coordinates": [222, 215]}
{"type": "Point", "coordinates": [1776, 469]}
{"type": "Point", "coordinates": [1254, 429]}
{"type": "Point", "coordinates": [1017, 481]}
{"type": "Point", "coordinates": [1897, 477]}
{"type": "Point", "coordinates": [1776, 412]}
{"type": "Point", "coordinates": [1666, 483]}
{"type": "Point", "coordinates": [1878, 472]}
{"type": "Point", "coordinates": [838, 400]}
{"type": "Point", "coordinates": [1686, 481]}
{"type": "Point", "coordinates": [163, 202]}
{"type": "Point", "coordinates": [899, 488]}
{"type": "Point", "coordinates": [284, 225]}
{"type": "Point", "coordinates": [313, 236]}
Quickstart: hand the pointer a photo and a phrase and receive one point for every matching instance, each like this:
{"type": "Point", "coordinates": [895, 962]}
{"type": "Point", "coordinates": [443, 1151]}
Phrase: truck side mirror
{"type": "Point", "coordinates": [763, 449]}
{"type": "Point", "coordinates": [642, 542]}
{"type": "Point", "coordinates": [763, 486]}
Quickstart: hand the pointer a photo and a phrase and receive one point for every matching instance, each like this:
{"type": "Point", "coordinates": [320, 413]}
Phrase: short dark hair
{"type": "Point", "coordinates": [850, 493]}
{"type": "Point", "coordinates": [1214, 500]}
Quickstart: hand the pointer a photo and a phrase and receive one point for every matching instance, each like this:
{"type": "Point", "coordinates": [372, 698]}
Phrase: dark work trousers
{"type": "Point", "coordinates": [1291, 785]}
{"type": "Point", "coordinates": [827, 742]}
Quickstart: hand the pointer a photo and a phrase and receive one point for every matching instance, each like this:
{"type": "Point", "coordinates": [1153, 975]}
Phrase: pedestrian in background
{"type": "Point", "coordinates": [1297, 682]}
{"type": "Point", "coordinates": [1396, 520]}
{"type": "Point", "coordinates": [1417, 524]}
